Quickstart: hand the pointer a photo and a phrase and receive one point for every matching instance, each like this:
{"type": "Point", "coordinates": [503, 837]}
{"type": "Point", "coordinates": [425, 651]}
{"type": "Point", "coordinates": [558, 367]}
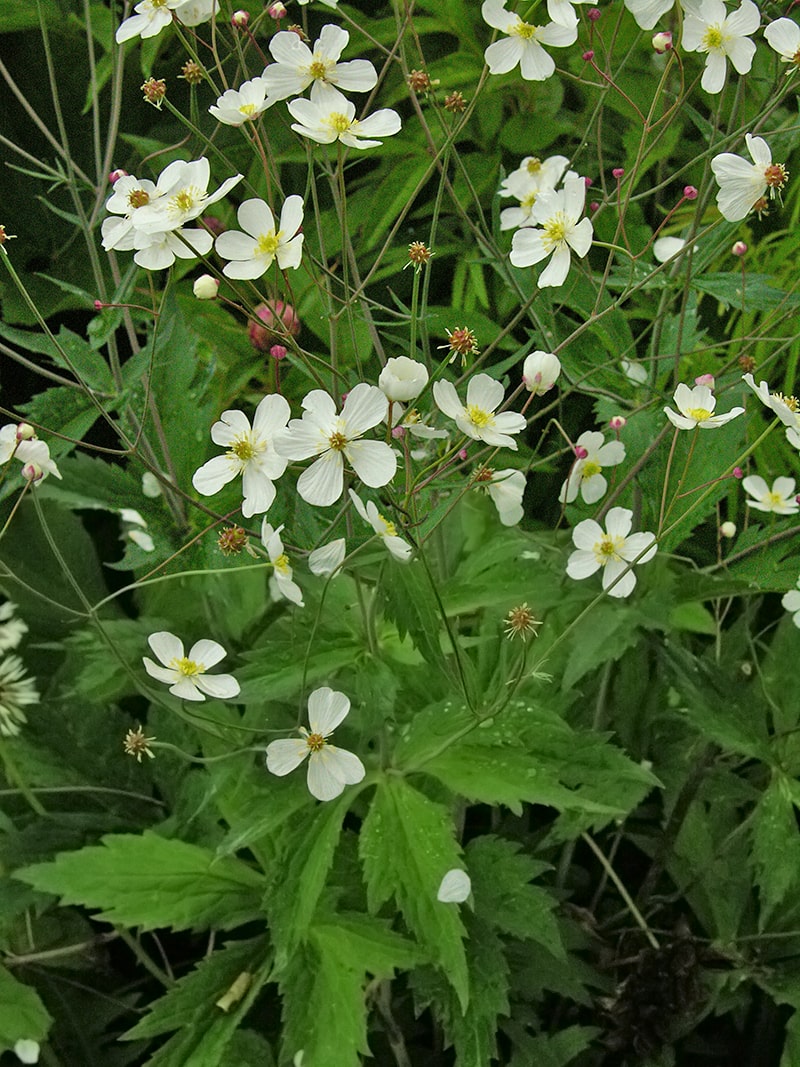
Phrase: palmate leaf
{"type": "Point", "coordinates": [151, 881]}
{"type": "Point", "coordinates": [407, 845]}
{"type": "Point", "coordinates": [23, 1017]}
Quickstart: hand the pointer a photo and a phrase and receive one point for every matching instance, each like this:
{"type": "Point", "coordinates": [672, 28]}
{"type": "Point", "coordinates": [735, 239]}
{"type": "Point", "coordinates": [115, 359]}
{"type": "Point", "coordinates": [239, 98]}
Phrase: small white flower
{"type": "Point", "coordinates": [297, 66]}
{"type": "Point", "coordinates": [336, 438]}
{"type": "Point", "coordinates": [386, 530]}
{"type": "Point", "coordinates": [17, 691]}
{"type": "Point", "coordinates": [27, 1051]}
{"type": "Point", "coordinates": [787, 408]}
{"type": "Point", "coordinates": [562, 228]}
{"type": "Point", "coordinates": [402, 378]}
{"type": "Point", "coordinates": [282, 571]}
{"type": "Point", "coordinates": [185, 197]}
{"type": "Point", "coordinates": [709, 28]}
{"type": "Point", "coordinates": [586, 475]}
{"type": "Point", "coordinates": [186, 675]}
{"type": "Point", "coordinates": [251, 453]}
{"type": "Point", "coordinates": [526, 183]}
{"type": "Point", "coordinates": [253, 252]}
{"type": "Point", "coordinates": [328, 116]}
{"type": "Point", "coordinates": [478, 419]}
{"type": "Point", "coordinates": [696, 408]}
{"type": "Point", "coordinates": [613, 550]}
{"type": "Point", "coordinates": [506, 489]}
{"type": "Point", "coordinates": [784, 36]}
{"type": "Point", "coordinates": [791, 602]}
{"type": "Point", "coordinates": [245, 104]}
{"type": "Point", "coordinates": [28, 450]}
{"type": "Point", "coordinates": [327, 559]}
{"type": "Point", "coordinates": [455, 887]}
{"type": "Point", "coordinates": [540, 372]}
{"type": "Point", "coordinates": [330, 769]}
{"type": "Point", "coordinates": [152, 16]}
{"type": "Point", "coordinates": [741, 184]}
{"type": "Point", "coordinates": [523, 43]}
{"type": "Point", "coordinates": [780, 499]}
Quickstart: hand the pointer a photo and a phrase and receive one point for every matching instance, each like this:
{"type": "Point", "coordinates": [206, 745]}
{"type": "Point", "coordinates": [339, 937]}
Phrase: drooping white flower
{"type": "Point", "coordinates": [709, 28]}
{"type": "Point", "coordinates": [136, 529]}
{"type": "Point", "coordinates": [330, 769]}
{"type": "Point", "coordinates": [455, 887]}
{"type": "Point", "coordinates": [593, 453]}
{"type": "Point", "coordinates": [784, 36]}
{"type": "Point", "coordinates": [245, 104]}
{"type": "Point", "coordinates": [791, 602]}
{"type": "Point", "coordinates": [253, 252]}
{"type": "Point", "coordinates": [185, 196]}
{"type": "Point", "coordinates": [402, 378]}
{"type": "Point", "coordinates": [540, 372]}
{"type": "Point", "coordinates": [780, 499]}
{"type": "Point", "coordinates": [327, 559]}
{"type": "Point", "coordinates": [526, 183]}
{"type": "Point", "coordinates": [152, 16]}
{"type": "Point", "coordinates": [477, 419]}
{"type": "Point", "coordinates": [741, 184]}
{"type": "Point", "coordinates": [613, 550]}
{"type": "Point", "coordinates": [251, 452]}
{"type": "Point", "coordinates": [296, 66]}
{"type": "Point", "coordinates": [336, 438]}
{"type": "Point", "coordinates": [29, 450]}
{"type": "Point", "coordinates": [328, 116]}
{"type": "Point", "coordinates": [386, 530]}
{"type": "Point", "coordinates": [282, 570]}
{"type": "Point", "coordinates": [787, 408]}
{"type": "Point", "coordinates": [186, 675]}
{"type": "Point", "coordinates": [696, 407]}
{"type": "Point", "coordinates": [523, 43]}
{"type": "Point", "coordinates": [558, 213]}
{"type": "Point", "coordinates": [648, 12]}
{"type": "Point", "coordinates": [17, 691]}
{"type": "Point", "coordinates": [506, 488]}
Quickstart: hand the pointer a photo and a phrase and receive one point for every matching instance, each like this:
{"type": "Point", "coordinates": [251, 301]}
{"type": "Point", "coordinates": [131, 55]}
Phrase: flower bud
{"type": "Point", "coordinates": [277, 319]}
{"type": "Point", "coordinates": [240, 19]}
{"type": "Point", "coordinates": [728, 529]}
{"type": "Point", "coordinates": [738, 473]}
{"type": "Point", "coordinates": [25, 432]}
{"type": "Point", "coordinates": [462, 454]}
{"type": "Point", "coordinates": [739, 248]}
{"type": "Point", "coordinates": [593, 206]}
{"type": "Point", "coordinates": [662, 42]}
{"type": "Point", "coordinates": [278, 352]}
{"type": "Point", "coordinates": [151, 487]}
{"type": "Point", "coordinates": [115, 175]}
{"type": "Point", "coordinates": [205, 287]}
{"type": "Point", "coordinates": [618, 172]}
{"type": "Point", "coordinates": [593, 14]}
{"type": "Point", "coordinates": [32, 472]}
{"type": "Point", "coordinates": [580, 452]}
{"type": "Point", "coordinates": [705, 379]}
{"type": "Point", "coordinates": [588, 56]}
{"type": "Point", "coordinates": [540, 372]}
{"type": "Point", "coordinates": [689, 192]}
{"type": "Point", "coordinates": [402, 379]}
{"type": "Point", "coordinates": [617, 422]}
{"type": "Point", "coordinates": [277, 11]}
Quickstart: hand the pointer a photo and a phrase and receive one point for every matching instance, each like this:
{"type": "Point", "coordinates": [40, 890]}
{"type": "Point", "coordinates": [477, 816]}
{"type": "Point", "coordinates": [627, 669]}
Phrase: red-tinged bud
{"type": "Point", "coordinates": [99, 305]}
{"type": "Point", "coordinates": [588, 56]}
{"type": "Point", "coordinates": [398, 432]}
{"type": "Point", "coordinates": [705, 379]}
{"type": "Point", "coordinates": [278, 352]}
{"type": "Point", "coordinates": [115, 175]}
{"type": "Point", "coordinates": [462, 455]}
{"type": "Point", "coordinates": [739, 248]}
{"type": "Point", "coordinates": [277, 319]}
{"type": "Point", "coordinates": [593, 206]}
{"type": "Point", "coordinates": [277, 11]}
{"type": "Point", "coordinates": [593, 14]}
{"type": "Point", "coordinates": [581, 452]}
{"type": "Point", "coordinates": [241, 19]}
{"type": "Point", "coordinates": [662, 42]}
{"type": "Point", "coordinates": [617, 423]}
{"type": "Point", "coordinates": [32, 472]}
{"type": "Point", "coordinates": [618, 172]}
{"type": "Point", "coordinates": [738, 473]}
{"type": "Point", "coordinates": [587, 182]}
{"type": "Point", "coordinates": [25, 432]}
{"type": "Point", "coordinates": [689, 192]}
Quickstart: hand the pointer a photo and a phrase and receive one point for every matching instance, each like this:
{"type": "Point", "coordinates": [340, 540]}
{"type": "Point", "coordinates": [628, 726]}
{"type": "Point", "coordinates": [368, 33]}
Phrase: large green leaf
{"type": "Point", "coordinates": [23, 1017]}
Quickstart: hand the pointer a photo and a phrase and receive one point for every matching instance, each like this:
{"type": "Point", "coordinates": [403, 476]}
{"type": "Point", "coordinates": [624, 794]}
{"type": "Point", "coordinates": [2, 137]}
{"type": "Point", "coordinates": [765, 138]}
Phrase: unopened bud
{"type": "Point", "coordinates": [705, 379]}
{"type": "Point", "coordinates": [275, 321]}
{"type": "Point", "coordinates": [593, 206]}
{"type": "Point", "coordinates": [593, 14]}
{"type": "Point", "coordinates": [580, 452]}
{"type": "Point", "coordinates": [115, 175]}
{"type": "Point", "coordinates": [277, 11]}
{"type": "Point", "coordinates": [587, 182]}
{"type": "Point", "coordinates": [398, 432]}
{"type": "Point", "coordinates": [689, 192]}
{"type": "Point", "coordinates": [205, 287]}
{"type": "Point", "coordinates": [462, 454]}
{"type": "Point", "coordinates": [278, 352]}
{"type": "Point", "coordinates": [25, 432]}
{"type": "Point", "coordinates": [728, 529]}
{"type": "Point", "coordinates": [662, 42]}
{"type": "Point", "coordinates": [739, 248]}
{"type": "Point", "coordinates": [738, 472]}
{"type": "Point", "coordinates": [588, 56]}
{"type": "Point", "coordinates": [617, 422]}
{"type": "Point", "coordinates": [240, 19]}
{"type": "Point", "coordinates": [32, 472]}
{"type": "Point", "coordinates": [618, 172]}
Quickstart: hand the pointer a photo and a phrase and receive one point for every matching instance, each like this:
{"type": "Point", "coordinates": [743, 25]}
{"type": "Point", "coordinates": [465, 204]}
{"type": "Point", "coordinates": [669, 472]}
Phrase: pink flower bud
{"type": "Point", "coordinates": [32, 472]}
{"type": "Point", "coordinates": [662, 42]}
{"type": "Point", "coordinates": [25, 432]}
{"type": "Point", "coordinates": [738, 472]}
{"type": "Point", "coordinates": [593, 206]}
{"type": "Point", "coordinates": [593, 14]}
{"type": "Point", "coordinates": [115, 175]}
{"type": "Point", "coordinates": [277, 11]}
{"type": "Point", "coordinates": [278, 352]}
{"type": "Point", "coordinates": [398, 432]}
{"type": "Point", "coordinates": [277, 319]}
{"type": "Point", "coordinates": [581, 452]}
{"type": "Point", "coordinates": [588, 56]}
{"type": "Point", "coordinates": [587, 182]}
{"type": "Point", "coordinates": [462, 455]}
{"type": "Point", "coordinates": [689, 192]}
{"type": "Point", "coordinates": [618, 172]}
{"type": "Point", "coordinates": [240, 20]}
{"type": "Point", "coordinates": [617, 422]}
{"type": "Point", "coordinates": [705, 379]}
{"type": "Point", "coordinates": [99, 305]}
{"type": "Point", "coordinates": [739, 248]}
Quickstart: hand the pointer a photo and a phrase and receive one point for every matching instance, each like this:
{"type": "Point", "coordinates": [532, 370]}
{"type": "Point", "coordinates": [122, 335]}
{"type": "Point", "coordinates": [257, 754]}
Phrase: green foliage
{"type": "Point", "coordinates": [23, 1017]}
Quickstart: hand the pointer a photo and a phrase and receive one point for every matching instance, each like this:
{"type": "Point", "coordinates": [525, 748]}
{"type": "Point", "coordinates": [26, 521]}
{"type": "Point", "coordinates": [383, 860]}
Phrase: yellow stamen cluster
{"type": "Point", "coordinates": [339, 122]}
{"type": "Point", "coordinates": [699, 414]}
{"type": "Point", "coordinates": [316, 742]}
{"type": "Point", "coordinates": [337, 441]}
{"type": "Point", "coordinates": [555, 230]}
{"type": "Point", "coordinates": [187, 667]}
{"type": "Point", "coordinates": [455, 103]}
{"type": "Point", "coordinates": [478, 417]}
{"type": "Point", "coordinates": [775, 175]}
{"type": "Point", "coordinates": [712, 39]}
{"type": "Point", "coordinates": [525, 30]}
{"type": "Point", "coordinates": [138, 198]}
{"type": "Point", "coordinates": [419, 81]}
{"type": "Point", "coordinates": [267, 244]}
{"type": "Point", "coordinates": [232, 540]}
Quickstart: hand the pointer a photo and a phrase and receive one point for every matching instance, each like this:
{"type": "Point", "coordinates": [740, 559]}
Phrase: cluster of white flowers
{"type": "Point", "coordinates": [152, 16]}
{"type": "Point", "coordinates": [531, 178]}
{"type": "Point", "coordinates": [19, 441]}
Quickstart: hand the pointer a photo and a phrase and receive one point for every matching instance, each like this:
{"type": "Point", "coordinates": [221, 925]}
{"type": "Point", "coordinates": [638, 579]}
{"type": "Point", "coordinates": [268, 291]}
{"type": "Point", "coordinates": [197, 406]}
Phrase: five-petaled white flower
{"type": "Point", "coordinates": [478, 419]}
{"type": "Point", "coordinates": [282, 570]}
{"type": "Point", "coordinates": [696, 406]}
{"type": "Point", "coordinates": [784, 36]}
{"type": "Point", "coordinates": [709, 28]}
{"type": "Point", "coordinates": [21, 442]}
{"type": "Point", "coordinates": [151, 17]}
{"type": "Point", "coordinates": [386, 530]}
{"type": "Point", "coordinates": [334, 438]}
{"type": "Point", "coordinates": [787, 408]}
{"type": "Point", "coordinates": [186, 675]}
{"type": "Point", "coordinates": [251, 453]}
{"type": "Point", "coordinates": [245, 104]}
{"type": "Point", "coordinates": [253, 252]}
{"type": "Point", "coordinates": [330, 769]}
{"type": "Point", "coordinates": [791, 602]}
{"type": "Point", "coordinates": [593, 453]}
{"type": "Point", "coordinates": [523, 44]}
{"type": "Point", "coordinates": [328, 116]}
{"type": "Point", "coordinates": [743, 185]}
{"type": "Point", "coordinates": [296, 66]}
{"type": "Point", "coordinates": [185, 196]}
{"type": "Point", "coordinates": [455, 887]}
{"type": "Point", "coordinates": [615, 550]}
{"type": "Point", "coordinates": [558, 213]}
{"type": "Point", "coordinates": [780, 499]}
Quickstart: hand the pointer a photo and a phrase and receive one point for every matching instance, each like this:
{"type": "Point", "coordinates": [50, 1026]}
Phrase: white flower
{"type": "Point", "coordinates": [151, 487]}
{"type": "Point", "coordinates": [185, 197]}
{"type": "Point", "coordinates": [524, 42]}
{"type": "Point", "coordinates": [665, 248]}
{"type": "Point", "coordinates": [559, 215]}
{"type": "Point", "coordinates": [455, 887]}
{"type": "Point", "coordinates": [327, 3]}
{"type": "Point", "coordinates": [532, 177]}
{"type": "Point", "coordinates": [648, 12]}
{"type": "Point", "coordinates": [328, 116]}
{"type": "Point", "coordinates": [27, 1051]}
{"type": "Point", "coordinates": [17, 691]}
{"type": "Point", "coordinates": [780, 499]}
{"type": "Point", "coordinates": [12, 630]}
{"type": "Point", "coordinates": [386, 530]}
{"type": "Point", "coordinates": [245, 104]}
{"type": "Point", "coordinates": [614, 551]}
{"type": "Point", "coordinates": [506, 490]}
{"type": "Point", "coordinates": [253, 252]}
{"type": "Point", "coordinates": [540, 372]}
{"type": "Point", "coordinates": [587, 472]}
{"type": "Point", "coordinates": [696, 408]}
{"type": "Point", "coordinates": [155, 251]}
{"type": "Point", "coordinates": [151, 17]}
{"type": "Point", "coordinates": [251, 453]}
{"type": "Point", "coordinates": [478, 419]}
{"type": "Point", "coordinates": [330, 769]}
{"type": "Point", "coordinates": [194, 12]}
{"type": "Point", "coordinates": [787, 408]}
{"type": "Point", "coordinates": [634, 372]}
{"type": "Point", "coordinates": [741, 184]}
{"type": "Point", "coordinates": [28, 450]}
{"type": "Point", "coordinates": [403, 378]}
{"type": "Point", "coordinates": [784, 36]}
{"type": "Point", "coordinates": [297, 66]}
{"type": "Point", "coordinates": [271, 540]}
{"type": "Point", "coordinates": [791, 602]}
{"type": "Point", "coordinates": [327, 559]}
{"type": "Point", "coordinates": [129, 195]}
{"type": "Point", "coordinates": [334, 438]}
{"type": "Point", "coordinates": [186, 675]}
{"type": "Point", "coordinates": [708, 28]}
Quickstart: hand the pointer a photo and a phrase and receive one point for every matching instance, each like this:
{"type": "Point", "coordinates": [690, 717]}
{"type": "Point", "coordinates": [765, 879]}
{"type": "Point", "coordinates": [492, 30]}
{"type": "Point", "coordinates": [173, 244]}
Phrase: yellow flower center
{"type": "Point", "coordinates": [248, 110]}
{"type": "Point", "coordinates": [525, 31]}
{"type": "Point", "coordinates": [389, 528]}
{"type": "Point", "coordinates": [138, 198]}
{"type": "Point", "coordinates": [318, 69]}
{"type": "Point", "coordinates": [339, 122]}
{"type": "Point", "coordinates": [699, 414]}
{"type": "Point", "coordinates": [776, 176]}
{"type": "Point", "coordinates": [555, 231]}
{"type": "Point", "coordinates": [186, 200]}
{"type": "Point", "coordinates": [337, 441]}
{"type": "Point", "coordinates": [267, 244]}
{"type": "Point", "coordinates": [316, 742]}
{"type": "Point", "coordinates": [607, 548]}
{"type": "Point", "coordinates": [791, 402]}
{"type": "Point", "coordinates": [534, 166]}
{"type": "Point", "coordinates": [528, 201]}
{"type": "Point", "coordinates": [712, 39]}
{"type": "Point", "coordinates": [158, 3]}
{"type": "Point", "coordinates": [282, 563]}
{"type": "Point", "coordinates": [187, 667]}
{"type": "Point", "coordinates": [589, 469]}
{"type": "Point", "coordinates": [478, 417]}
{"type": "Point", "coordinates": [773, 500]}
{"type": "Point", "coordinates": [246, 447]}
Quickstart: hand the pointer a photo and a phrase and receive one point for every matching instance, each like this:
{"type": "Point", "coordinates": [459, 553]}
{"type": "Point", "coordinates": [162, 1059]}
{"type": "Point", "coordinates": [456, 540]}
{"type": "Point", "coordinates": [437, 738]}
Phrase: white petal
{"type": "Point", "coordinates": [322, 484]}
{"type": "Point", "coordinates": [166, 646]}
{"type": "Point", "coordinates": [455, 887]}
{"type": "Point", "coordinates": [219, 686]}
{"type": "Point", "coordinates": [328, 558]}
{"type": "Point", "coordinates": [327, 708]}
{"type": "Point", "coordinates": [283, 756]}
{"type": "Point", "coordinates": [374, 462]}
{"type": "Point", "coordinates": [207, 652]}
